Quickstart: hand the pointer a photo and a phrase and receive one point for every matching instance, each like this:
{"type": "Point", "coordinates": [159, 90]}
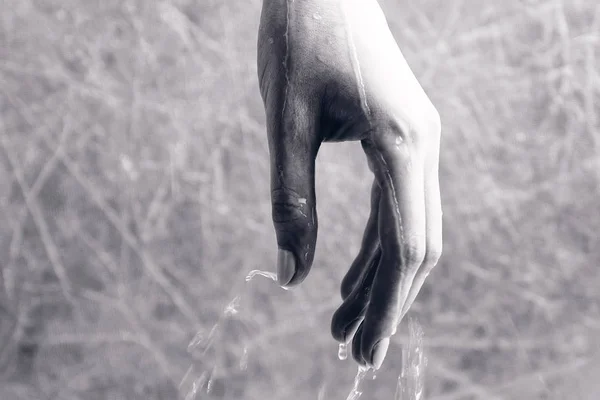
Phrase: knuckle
{"type": "Point", "coordinates": [396, 131]}
{"type": "Point", "coordinates": [428, 130]}
{"type": "Point", "coordinates": [432, 256]}
{"type": "Point", "coordinates": [407, 137]}
{"type": "Point", "coordinates": [413, 252]}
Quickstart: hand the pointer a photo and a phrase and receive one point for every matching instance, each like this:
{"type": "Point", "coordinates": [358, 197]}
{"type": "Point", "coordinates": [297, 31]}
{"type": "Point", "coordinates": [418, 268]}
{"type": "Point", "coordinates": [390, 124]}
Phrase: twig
{"type": "Point", "coordinates": [35, 189]}
{"type": "Point", "coordinates": [147, 261]}
{"type": "Point", "coordinates": [40, 222]}
{"type": "Point", "coordinates": [546, 374]}
{"type": "Point", "coordinates": [189, 32]}
{"type": "Point", "coordinates": [461, 378]}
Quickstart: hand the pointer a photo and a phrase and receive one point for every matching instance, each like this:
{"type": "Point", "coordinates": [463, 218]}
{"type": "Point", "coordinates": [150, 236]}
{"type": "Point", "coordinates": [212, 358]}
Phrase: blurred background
{"type": "Point", "coordinates": [134, 200]}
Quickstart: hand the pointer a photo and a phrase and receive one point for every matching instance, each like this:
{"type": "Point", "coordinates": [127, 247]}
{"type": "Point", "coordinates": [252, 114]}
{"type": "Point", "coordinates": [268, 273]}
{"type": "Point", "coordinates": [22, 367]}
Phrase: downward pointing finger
{"type": "Point", "coordinates": [399, 169]}
{"type": "Point", "coordinates": [369, 246]}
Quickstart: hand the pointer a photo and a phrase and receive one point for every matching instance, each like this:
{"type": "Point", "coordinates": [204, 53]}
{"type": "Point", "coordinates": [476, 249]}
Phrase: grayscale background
{"type": "Point", "coordinates": [134, 200]}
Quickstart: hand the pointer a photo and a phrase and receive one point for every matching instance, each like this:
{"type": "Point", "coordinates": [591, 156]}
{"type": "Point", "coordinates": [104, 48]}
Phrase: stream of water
{"type": "Point", "coordinates": [210, 349]}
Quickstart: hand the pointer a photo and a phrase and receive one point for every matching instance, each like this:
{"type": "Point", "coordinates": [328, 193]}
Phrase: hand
{"type": "Point", "coordinates": [330, 70]}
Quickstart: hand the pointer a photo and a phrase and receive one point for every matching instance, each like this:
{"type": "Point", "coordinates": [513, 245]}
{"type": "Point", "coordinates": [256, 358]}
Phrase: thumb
{"type": "Point", "coordinates": [293, 147]}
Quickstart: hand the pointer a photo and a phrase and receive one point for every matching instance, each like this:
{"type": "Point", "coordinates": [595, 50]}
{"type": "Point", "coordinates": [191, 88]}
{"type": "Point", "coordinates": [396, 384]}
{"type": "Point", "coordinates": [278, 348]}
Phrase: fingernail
{"type": "Point", "coordinates": [379, 351]}
{"type": "Point", "coordinates": [286, 267]}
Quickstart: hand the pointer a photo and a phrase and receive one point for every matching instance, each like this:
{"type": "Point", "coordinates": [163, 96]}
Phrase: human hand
{"type": "Point", "coordinates": [330, 70]}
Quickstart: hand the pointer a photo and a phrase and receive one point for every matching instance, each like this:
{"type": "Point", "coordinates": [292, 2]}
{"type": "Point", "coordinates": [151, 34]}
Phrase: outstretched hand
{"type": "Point", "coordinates": [330, 70]}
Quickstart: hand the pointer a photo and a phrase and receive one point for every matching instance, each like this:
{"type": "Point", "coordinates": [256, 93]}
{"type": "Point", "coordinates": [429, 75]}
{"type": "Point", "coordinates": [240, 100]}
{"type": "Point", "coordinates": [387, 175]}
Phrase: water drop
{"type": "Point", "coordinates": [203, 342]}
{"type": "Point", "coordinates": [317, 16]}
{"type": "Point", "coordinates": [374, 377]}
{"type": "Point", "coordinates": [232, 307]}
{"type": "Point", "coordinates": [196, 341]}
{"type": "Point", "coordinates": [271, 40]}
{"type": "Point", "coordinates": [343, 351]}
{"type": "Point", "coordinates": [398, 141]}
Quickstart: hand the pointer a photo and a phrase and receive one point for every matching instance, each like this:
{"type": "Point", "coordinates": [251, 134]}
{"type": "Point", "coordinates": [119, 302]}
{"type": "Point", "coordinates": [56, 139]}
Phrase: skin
{"type": "Point", "coordinates": [330, 70]}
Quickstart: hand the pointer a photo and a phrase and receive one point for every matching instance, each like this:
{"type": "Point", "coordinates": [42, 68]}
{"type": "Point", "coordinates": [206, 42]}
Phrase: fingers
{"type": "Point", "coordinates": [402, 227]}
{"type": "Point", "coordinates": [433, 209]}
{"type": "Point", "coordinates": [293, 147]}
{"type": "Point", "coordinates": [348, 317]}
{"type": "Point", "coordinates": [359, 278]}
{"type": "Point", "coordinates": [369, 246]}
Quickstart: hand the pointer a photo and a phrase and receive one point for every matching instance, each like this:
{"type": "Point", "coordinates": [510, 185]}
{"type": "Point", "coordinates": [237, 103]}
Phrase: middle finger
{"type": "Point", "coordinates": [400, 171]}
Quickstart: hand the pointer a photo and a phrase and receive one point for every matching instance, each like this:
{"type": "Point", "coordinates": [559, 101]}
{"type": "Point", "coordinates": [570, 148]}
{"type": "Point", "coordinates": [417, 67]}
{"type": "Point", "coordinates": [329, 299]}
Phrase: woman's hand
{"type": "Point", "coordinates": [330, 70]}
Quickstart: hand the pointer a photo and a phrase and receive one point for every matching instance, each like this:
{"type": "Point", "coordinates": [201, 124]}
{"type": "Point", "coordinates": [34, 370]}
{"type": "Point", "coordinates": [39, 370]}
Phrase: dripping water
{"type": "Point", "coordinates": [194, 381]}
{"type": "Point", "coordinates": [343, 351]}
{"type": "Point", "coordinates": [355, 393]}
{"type": "Point", "coordinates": [411, 382]}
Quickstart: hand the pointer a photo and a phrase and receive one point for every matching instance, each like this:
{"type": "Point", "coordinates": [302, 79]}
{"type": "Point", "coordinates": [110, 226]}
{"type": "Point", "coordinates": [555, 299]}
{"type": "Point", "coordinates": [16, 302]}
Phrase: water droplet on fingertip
{"type": "Point", "coordinates": [343, 351]}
